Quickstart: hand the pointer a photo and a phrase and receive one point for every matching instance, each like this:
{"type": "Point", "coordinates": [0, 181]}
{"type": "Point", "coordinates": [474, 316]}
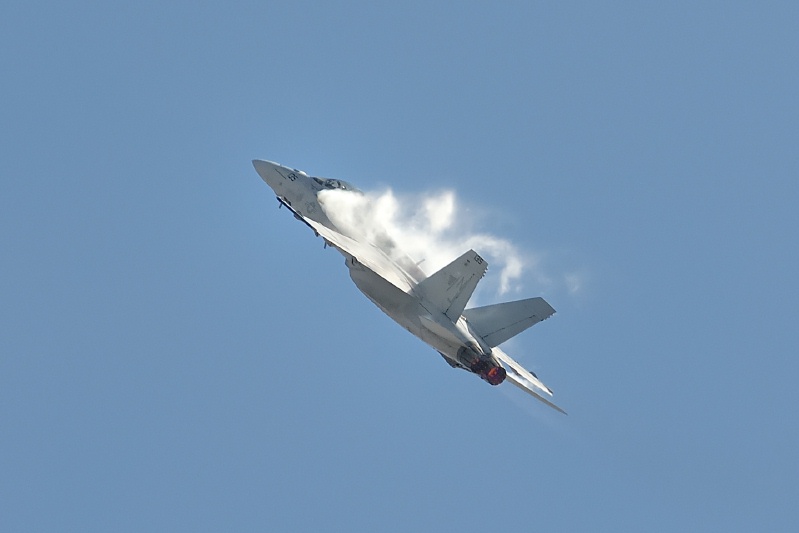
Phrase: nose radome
{"type": "Point", "coordinates": [266, 169]}
{"type": "Point", "coordinates": [262, 166]}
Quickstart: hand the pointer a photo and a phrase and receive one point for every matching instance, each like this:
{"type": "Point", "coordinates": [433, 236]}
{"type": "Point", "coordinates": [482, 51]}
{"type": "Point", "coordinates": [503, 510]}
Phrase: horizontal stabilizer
{"type": "Point", "coordinates": [499, 322]}
{"type": "Point", "coordinates": [524, 379]}
{"type": "Point", "coordinates": [520, 383]}
{"type": "Point", "coordinates": [450, 288]}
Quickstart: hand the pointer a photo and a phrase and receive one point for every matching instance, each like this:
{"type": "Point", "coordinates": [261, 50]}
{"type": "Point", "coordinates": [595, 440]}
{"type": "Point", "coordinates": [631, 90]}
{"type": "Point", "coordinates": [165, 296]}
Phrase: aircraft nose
{"type": "Point", "coordinates": [266, 169]}
{"type": "Point", "coordinates": [261, 167]}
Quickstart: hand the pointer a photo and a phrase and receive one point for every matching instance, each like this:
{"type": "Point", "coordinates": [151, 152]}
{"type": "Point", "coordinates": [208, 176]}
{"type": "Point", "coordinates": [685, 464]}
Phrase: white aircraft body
{"type": "Point", "coordinates": [433, 307]}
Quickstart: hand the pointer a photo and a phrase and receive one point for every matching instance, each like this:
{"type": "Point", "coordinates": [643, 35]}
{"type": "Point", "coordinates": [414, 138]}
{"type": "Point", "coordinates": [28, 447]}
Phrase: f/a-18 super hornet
{"type": "Point", "coordinates": [431, 307]}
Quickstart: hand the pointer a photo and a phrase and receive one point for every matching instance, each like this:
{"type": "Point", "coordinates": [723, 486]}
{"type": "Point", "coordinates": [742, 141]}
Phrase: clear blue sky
{"type": "Point", "coordinates": [178, 355]}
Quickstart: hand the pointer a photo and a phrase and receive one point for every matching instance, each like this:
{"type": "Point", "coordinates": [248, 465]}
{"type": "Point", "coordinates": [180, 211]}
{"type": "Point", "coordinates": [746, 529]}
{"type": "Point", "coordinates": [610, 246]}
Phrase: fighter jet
{"type": "Point", "coordinates": [433, 307]}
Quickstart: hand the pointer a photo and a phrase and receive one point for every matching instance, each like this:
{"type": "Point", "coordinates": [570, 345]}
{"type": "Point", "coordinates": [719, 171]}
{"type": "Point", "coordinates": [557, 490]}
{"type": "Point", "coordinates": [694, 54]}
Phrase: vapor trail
{"type": "Point", "coordinates": [431, 228]}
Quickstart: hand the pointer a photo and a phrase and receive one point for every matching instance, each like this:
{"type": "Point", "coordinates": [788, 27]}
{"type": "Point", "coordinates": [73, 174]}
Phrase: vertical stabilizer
{"type": "Point", "coordinates": [499, 322]}
{"type": "Point", "coordinates": [449, 289]}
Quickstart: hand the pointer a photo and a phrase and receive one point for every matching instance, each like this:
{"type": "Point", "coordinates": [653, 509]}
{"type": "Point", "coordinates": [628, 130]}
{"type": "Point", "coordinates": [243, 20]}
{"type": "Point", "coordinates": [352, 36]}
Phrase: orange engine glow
{"type": "Point", "coordinates": [495, 375]}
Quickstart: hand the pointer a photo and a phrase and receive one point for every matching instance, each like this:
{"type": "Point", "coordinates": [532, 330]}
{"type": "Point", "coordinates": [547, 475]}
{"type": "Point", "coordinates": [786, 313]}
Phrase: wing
{"type": "Point", "coordinates": [524, 379]}
{"type": "Point", "coordinates": [366, 254]}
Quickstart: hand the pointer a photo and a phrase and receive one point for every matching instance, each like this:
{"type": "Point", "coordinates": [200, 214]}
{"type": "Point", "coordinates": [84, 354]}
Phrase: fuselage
{"type": "Point", "coordinates": [395, 295]}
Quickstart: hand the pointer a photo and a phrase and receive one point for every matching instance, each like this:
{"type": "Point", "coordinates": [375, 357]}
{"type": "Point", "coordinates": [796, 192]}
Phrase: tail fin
{"type": "Point", "coordinates": [451, 287]}
{"type": "Point", "coordinates": [499, 322]}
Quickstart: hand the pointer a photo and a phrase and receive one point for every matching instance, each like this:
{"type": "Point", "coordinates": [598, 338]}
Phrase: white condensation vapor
{"type": "Point", "coordinates": [432, 230]}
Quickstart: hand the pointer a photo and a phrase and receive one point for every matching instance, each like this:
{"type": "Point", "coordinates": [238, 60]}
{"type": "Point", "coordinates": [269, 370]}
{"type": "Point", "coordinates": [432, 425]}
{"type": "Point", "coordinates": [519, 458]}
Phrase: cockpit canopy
{"type": "Point", "coordinates": [336, 184]}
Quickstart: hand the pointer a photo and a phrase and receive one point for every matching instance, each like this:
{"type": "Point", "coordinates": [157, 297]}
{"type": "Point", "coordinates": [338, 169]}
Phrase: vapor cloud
{"type": "Point", "coordinates": [433, 229]}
